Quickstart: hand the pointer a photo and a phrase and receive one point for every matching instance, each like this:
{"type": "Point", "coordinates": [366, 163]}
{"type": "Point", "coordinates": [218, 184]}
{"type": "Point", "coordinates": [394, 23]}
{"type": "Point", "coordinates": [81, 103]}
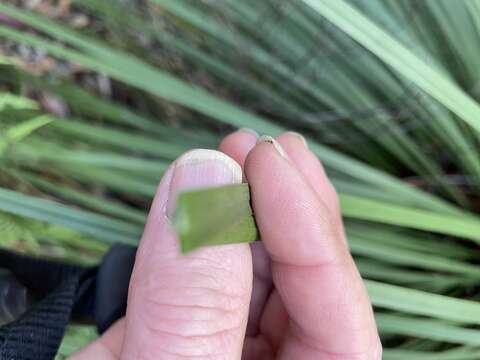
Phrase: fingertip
{"type": "Point", "coordinates": [312, 169]}
{"type": "Point", "coordinates": [295, 135]}
{"type": "Point", "coordinates": [238, 144]}
{"type": "Point", "coordinates": [288, 212]}
{"type": "Point", "coordinates": [259, 162]}
{"type": "Point", "coordinates": [297, 149]}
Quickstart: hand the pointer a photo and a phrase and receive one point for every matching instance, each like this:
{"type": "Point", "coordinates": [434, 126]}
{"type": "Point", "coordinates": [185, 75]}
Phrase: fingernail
{"type": "Point", "coordinates": [201, 168]}
{"type": "Point", "coordinates": [299, 136]}
{"type": "Point", "coordinates": [250, 131]}
{"type": "Point", "coordinates": [276, 145]}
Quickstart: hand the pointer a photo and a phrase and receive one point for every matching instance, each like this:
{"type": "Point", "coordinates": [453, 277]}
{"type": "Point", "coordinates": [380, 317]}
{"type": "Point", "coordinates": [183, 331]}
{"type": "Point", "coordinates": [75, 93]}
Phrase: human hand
{"type": "Point", "coordinates": [295, 295]}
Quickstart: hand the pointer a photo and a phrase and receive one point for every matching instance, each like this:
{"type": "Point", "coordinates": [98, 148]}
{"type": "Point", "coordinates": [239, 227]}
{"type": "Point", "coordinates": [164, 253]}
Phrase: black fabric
{"type": "Point", "coordinates": [63, 292]}
{"type": "Point", "coordinates": [112, 286]}
{"type": "Point", "coordinates": [38, 275]}
{"type": "Point", "coordinates": [37, 334]}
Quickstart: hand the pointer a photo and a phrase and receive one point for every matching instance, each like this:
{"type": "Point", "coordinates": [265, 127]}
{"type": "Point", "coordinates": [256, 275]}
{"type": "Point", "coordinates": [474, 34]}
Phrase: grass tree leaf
{"type": "Point", "coordinates": [214, 216]}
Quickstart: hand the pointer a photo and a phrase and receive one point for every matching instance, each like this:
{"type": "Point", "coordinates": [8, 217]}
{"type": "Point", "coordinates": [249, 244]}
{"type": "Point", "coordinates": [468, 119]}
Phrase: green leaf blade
{"type": "Point", "coordinates": [214, 216]}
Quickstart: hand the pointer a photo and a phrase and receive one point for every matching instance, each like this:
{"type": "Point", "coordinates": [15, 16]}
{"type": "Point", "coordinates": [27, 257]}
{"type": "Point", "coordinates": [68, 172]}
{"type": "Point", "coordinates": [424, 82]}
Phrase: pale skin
{"type": "Point", "coordinates": [297, 294]}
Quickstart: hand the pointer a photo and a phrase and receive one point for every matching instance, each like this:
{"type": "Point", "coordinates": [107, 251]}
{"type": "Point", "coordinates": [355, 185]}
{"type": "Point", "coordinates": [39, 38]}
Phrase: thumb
{"type": "Point", "coordinates": [187, 306]}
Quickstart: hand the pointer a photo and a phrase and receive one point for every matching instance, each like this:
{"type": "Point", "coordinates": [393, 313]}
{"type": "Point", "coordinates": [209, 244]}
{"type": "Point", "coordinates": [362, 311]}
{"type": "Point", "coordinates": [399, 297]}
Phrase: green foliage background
{"type": "Point", "coordinates": [386, 92]}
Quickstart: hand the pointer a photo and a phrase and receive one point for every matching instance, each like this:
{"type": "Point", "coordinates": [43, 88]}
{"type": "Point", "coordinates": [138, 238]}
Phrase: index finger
{"type": "Point", "coordinates": [330, 313]}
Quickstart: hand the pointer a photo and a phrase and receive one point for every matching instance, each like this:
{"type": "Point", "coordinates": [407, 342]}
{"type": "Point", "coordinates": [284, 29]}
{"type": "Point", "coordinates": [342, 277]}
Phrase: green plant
{"type": "Point", "coordinates": [386, 92]}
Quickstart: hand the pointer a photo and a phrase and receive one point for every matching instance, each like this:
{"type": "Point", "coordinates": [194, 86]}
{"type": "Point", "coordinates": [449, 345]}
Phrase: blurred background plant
{"type": "Point", "coordinates": [97, 97]}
